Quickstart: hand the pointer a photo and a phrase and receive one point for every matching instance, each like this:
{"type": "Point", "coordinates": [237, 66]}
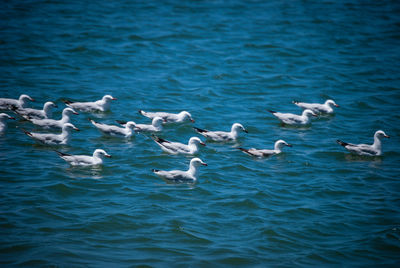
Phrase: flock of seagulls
{"type": "Point", "coordinates": [126, 129]}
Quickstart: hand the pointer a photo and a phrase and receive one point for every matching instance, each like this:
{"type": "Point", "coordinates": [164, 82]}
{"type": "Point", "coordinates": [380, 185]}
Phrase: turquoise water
{"type": "Point", "coordinates": [225, 62]}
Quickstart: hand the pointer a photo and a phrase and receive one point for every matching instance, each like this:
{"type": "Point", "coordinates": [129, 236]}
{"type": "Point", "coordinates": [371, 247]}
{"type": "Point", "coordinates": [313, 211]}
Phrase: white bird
{"type": "Point", "coordinates": [3, 122]}
{"type": "Point", "coordinates": [112, 130]}
{"type": "Point", "coordinates": [85, 160]}
{"type": "Point", "coordinates": [46, 112]}
{"type": "Point", "coordinates": [265, 153]}
{"type": "Point", "coordinates": [179, 148]}
{"type": "Point", "coordinates": [180, 176]}
{"type": "Point", "coordinates": [294, 119]}
{"type": "Point", "coordinates": [50, 138]}
{"type": "Point", "coordinates": [365, 149]}
{"type": "Point", "coordinates": [169, 117]}
{"type": "Point", "coordinates": [52, 123]}
{"type": "Point", "coordinates": [6, 103]}
{"type": "Point", "coordinates": [222, 135]}
{"type": "Point", "coordinates": [156, 125]}
{"type": "Point", "coordinates": [325, 108]}
{"type": "Point", "coordinates": [95, 106]}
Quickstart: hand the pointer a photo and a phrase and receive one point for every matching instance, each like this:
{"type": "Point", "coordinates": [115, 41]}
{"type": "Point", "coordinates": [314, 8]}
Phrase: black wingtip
{"type": "Point", "coordinates": [272, 112]}
{"type": "Point", "coordinates": [245, 151]}
{"type": "Point", "coordinates": [27, 132]}
{"type": "Point", "coordinates": [342, 143]}
{"type": "Point", "coordinates": [14, 108]}
{"type": "Point", "coordinates": [67, 101]}
{"type": "Point", "coordinates": [121, 122]}
{"type": "Point", "coordinates": [295, 102]}
{"type": "Point", "coordinates": [155, 170]}
{"type": "Point", "coordinates": [141, 112]}
{"type": "Point", "coordinates": [61, 153]}
{"type": "Point", "coordinates": [199, 130]}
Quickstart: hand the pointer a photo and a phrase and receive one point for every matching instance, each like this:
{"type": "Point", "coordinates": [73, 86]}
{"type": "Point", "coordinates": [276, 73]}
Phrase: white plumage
{"type": "Point", "coordinates": [95, 106]}
{"type": "Point", "coordinates": [6, 103]}
{"type": "Point", "coordinates": [85, 160]}
{"type": "Point", "coordinates": [365, 149]}
{"type": "Point", "coordinates": [264, 152]}
{"type": "Point", "coordinates": [222, 136]}
{"type": "Point", "coordinates": [44, 113]}
{"type": "Point", "coordinates": [52, 123]}
{"type": "Point", "coordinates": [324, 108]}
{"type": "Point", "coordinates": [180, 176]}
{"type": "Point", "coordinates": [3, 122]}
{"type": "Point", "coordinates": [50, 138]}
{"type": "Point", "coordinates": [179, 148]}
{"type": "Point", "coordinates": [117, 131]}
{"type": "Point", "coordinates": [169, 117]}
{"type": "Point", "coordinates": [294, 119]}
{"type": "Point", "coordinates": [156, 125]}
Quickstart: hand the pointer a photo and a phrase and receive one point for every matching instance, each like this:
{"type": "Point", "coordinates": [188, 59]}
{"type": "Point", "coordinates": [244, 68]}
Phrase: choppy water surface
{"type": "Point", "coordinates": [224, 62]}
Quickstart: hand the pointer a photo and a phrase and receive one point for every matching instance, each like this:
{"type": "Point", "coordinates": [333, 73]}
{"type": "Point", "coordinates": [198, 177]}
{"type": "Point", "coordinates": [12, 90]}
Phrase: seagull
{"type": "Point", "coordinates": [96, 106]}
{"type": "Point", "coordinates": [365, 149]}
{"type": "Point", "coordinates": [49, 138]}
{"type": "Point", "coordinates": [156, 125]}
{"type": "Point", "coordinates": [325, 108]}
{"type": "Point", "coordinates": [112, 130]}
{"type": "Point", "coordinates": [177, 147]}
{"type": "Point", "coordinates": [169, 117]}
{"type": "Point", "coordinates": [3, 123]}
{"type": "Point", "coordinates": [265, 153]}
{"type": "Point", "coordinates": [84, 160]}
{"type": "Point", "coordinates": [294, 119]}
{"type": "Point", "coordinates": [222, 135]}
{"type": "Point", "coordinates": [12, 103]}
{"type": "Point", "coordinates": [52, 123]}
{"type": "Point", "coordinates": [36, 113]}
{"type": "Point", "coordinates": [180, 176]}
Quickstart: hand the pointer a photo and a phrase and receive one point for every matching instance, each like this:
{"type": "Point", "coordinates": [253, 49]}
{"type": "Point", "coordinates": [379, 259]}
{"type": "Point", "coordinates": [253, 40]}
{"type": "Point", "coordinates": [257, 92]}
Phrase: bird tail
{"type": "Point", "coordinates": [199, 130]}
{"type": "Point", "coordinates": [342, 143]}
{"type": "Point", "coordinates": [272, 112]}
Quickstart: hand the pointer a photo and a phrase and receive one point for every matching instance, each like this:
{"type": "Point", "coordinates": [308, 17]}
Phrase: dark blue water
{"type": "Point", "coordinates": [225, 62]}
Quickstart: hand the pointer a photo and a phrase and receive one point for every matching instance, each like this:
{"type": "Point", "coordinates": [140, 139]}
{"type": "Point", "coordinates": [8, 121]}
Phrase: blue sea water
{"type": "Point", "coordinates": [224, 62]}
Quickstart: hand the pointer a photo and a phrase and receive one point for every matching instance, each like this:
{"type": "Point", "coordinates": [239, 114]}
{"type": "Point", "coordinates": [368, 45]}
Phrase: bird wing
{"type": "Point", "coordinates": [361, 149]}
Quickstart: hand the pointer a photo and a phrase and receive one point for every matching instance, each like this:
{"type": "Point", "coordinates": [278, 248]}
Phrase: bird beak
{"type": "Point", "coordinates": [204, 164]}
{"type": "Point", "coordinates": [32, 99]}
{"type": "Point", "coordinates": [107, 155]}
{"type": "Point", "coordinates": [386, 136]}
{"type": "Point", "coordinates": [191, 120]}
{"type": "Point", "coordinates": [55, 105]}
{"type": "Point", "coordinates": [289, 145]}
{"type": "Point", "coordinates": [245, 130]}
{"type": "Point", "coordinates": [13, 118]}
{"type": "Point", "coordinates": [314, 115]}
{"type": "Point", "coordinates": [75, 113]}
{"type": "Point", "coordinates": [77, 129]}
{"type": "Point", "coordinates": [114, 99]}
{"type": "Point", "coordinates": [202, 143]}
{"type": "Point", "coordinates": [337, 105]}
